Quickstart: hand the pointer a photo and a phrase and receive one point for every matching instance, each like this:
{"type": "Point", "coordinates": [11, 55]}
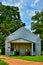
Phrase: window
{"type": "Point", "coordinates": [34, 47]}
{"type": "Point", "coordinates": [12, 47]}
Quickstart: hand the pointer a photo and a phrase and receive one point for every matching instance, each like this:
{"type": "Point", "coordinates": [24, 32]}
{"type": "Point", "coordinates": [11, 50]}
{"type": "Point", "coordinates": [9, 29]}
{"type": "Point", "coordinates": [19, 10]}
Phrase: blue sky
{"type": "Point", "coordinates": [27, 8]}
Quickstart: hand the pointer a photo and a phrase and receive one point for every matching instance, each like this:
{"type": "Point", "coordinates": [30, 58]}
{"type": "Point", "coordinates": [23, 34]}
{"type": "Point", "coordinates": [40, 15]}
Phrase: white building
{"type": "Point", "coordinates": [22, 40]}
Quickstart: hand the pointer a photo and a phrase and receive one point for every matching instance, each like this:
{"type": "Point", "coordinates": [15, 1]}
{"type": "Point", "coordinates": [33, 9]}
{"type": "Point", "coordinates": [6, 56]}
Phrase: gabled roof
{"type": "Point", "coordinates": [23, 33]}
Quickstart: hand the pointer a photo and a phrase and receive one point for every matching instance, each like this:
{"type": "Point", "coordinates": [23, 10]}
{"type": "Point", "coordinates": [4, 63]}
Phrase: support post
{"type": "Point", "coordinates": [32, 50]}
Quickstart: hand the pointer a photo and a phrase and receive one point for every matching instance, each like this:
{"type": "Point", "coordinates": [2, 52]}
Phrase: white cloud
{"type": "Point", "coordinates": [19, 4]}
{"type": "Point", "coordinates": [30, 13]}
{"type": "Point", "coordinates": [28, 26]}
{"type": "Point", "coordinates": [35, 2]}
{"type": "Point", "coordinates": [27, 14]}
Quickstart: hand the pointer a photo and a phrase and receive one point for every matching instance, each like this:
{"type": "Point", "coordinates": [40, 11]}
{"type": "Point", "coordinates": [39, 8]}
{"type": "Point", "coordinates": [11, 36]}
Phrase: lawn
{"type": "Point", "coordinates": [41, 52]}
{"type": "Point", "coordinates": [29, 58]}
{"type": "Point", "coordinates": [2, 62]}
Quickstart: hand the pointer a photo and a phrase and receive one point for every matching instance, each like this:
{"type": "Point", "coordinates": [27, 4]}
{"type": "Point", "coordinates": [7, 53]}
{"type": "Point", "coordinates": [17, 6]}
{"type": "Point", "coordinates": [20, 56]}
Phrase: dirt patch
{"type": "Point", "coordinates": [12, 61]}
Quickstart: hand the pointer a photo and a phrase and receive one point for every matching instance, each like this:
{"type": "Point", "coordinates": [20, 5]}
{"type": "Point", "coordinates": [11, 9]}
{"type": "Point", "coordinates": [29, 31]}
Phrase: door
{"type": "Point", "coordinates": [22, 49]}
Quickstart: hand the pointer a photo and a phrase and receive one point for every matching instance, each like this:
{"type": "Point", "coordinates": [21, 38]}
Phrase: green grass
{"type": "Point", "coordinates": [41, 52]}
{"type": "Point", "coordinates": [29, 58]}
{"type": "Point", "coordinates": [2, 62]}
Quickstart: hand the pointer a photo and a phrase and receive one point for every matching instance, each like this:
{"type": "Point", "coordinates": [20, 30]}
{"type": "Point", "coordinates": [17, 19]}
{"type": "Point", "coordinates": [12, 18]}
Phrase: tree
{"type": "Point", "coordinates": [9, 21]}
{"type": "Point", "coordinates": [37, 24]}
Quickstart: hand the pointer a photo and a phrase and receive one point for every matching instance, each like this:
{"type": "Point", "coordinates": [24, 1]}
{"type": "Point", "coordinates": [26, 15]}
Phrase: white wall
{"type": "Point", "coordinates": [7, 48]}
{"type": "Point", "coordinates": [38, 47]}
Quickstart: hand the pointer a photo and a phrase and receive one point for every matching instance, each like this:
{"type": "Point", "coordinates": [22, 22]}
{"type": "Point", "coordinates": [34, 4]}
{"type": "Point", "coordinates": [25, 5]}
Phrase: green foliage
{"type": "Point", "coordinates": [30, 58]}
{"type": "Point", "coordinates": [9, 21]}
{"type": "Point", "coordinates": [41, 52]}
{"type": "Point", "coordinates": [3, 63]}
{"type": "Point", "coordinates": [37, 24]}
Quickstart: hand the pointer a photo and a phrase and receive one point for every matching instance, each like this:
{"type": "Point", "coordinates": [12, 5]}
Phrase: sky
{"type": "Point", "coordinates": [27, 8]}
